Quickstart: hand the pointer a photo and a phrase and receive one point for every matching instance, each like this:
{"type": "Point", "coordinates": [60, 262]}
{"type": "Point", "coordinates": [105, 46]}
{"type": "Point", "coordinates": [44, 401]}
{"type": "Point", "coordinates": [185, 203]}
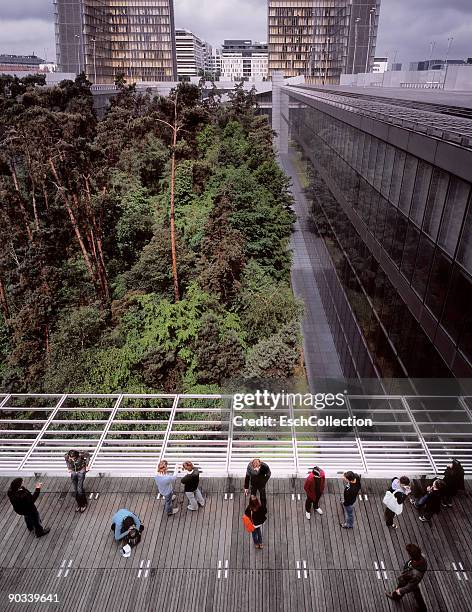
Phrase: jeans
{"type": "Point", "coordinates": [389, 516]}
{"type": "Point", "coordinates": [262, 494]}
{"type": "Point", "coordinates": [257, 535]}
{"type": "Point", "coordinates": [310, 502]}
{"type": "Point", "coordinates": [78, 482]}
{"type": "Point", "coordinates": [168, 503]}
{"type": "Point", "coordinates": [33, 521]}
{"type": "Point", "coordinates": [195, 498]}
{"type": "Point", "coordinates": [349, 515]}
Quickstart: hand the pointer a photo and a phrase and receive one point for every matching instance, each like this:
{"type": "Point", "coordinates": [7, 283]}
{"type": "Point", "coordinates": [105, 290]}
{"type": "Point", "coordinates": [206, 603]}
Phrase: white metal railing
{"type": "Point", "coordinates": [127, 434]}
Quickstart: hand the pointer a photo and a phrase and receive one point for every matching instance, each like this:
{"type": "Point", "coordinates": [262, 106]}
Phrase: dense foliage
{"type": "Point", "coordinates": [87, 290]}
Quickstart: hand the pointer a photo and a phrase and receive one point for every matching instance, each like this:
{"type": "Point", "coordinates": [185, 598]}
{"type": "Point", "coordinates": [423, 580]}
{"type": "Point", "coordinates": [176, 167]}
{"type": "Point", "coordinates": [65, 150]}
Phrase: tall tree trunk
{"type": "Point", "coordinates": [172, 208]}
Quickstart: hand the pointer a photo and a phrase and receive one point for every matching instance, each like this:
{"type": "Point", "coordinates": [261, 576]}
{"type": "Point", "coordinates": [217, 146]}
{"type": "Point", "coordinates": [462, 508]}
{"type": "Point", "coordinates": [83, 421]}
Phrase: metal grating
{"type": "Point", "coordinates": [128, 434]}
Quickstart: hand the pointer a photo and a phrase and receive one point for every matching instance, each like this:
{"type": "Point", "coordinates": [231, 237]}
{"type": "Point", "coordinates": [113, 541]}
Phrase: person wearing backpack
{"type": "Point", "coordinates": [257, 477]}
{"type": "Point", "coordinates": [393, 499]}
{"type": "Point", "coordinates": [254, 517]}
{"type": "Point", "coordinates": [352, 486]}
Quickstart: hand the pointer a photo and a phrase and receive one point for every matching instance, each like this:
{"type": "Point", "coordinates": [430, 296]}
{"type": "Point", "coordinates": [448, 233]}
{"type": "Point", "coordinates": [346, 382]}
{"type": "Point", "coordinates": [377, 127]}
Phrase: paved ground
{"type": "Point", "coordinates": [321, 358]}
{"type": "Point", "coordinates": [205, 561]}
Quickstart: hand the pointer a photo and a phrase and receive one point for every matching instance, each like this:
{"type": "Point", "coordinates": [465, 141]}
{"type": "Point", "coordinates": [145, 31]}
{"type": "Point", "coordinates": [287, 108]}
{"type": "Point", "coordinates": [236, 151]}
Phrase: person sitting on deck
{"type": "Point", "coordinates": [123, 522]}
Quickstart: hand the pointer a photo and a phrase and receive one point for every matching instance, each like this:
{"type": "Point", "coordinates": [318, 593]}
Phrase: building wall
{"type": "Point", "coordinates": [320, 38]}
{"type": "Point", "coordinates": [191, 53]}
{"type": "Point", "coordinates": [398, 224]}
{"type": "Point", "coordinates": [109, 37]}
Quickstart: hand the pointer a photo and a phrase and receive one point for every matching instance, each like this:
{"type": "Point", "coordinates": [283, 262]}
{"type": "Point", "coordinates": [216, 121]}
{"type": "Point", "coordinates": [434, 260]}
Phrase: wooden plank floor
{"type": "Point", "coordinates": [205, 561]}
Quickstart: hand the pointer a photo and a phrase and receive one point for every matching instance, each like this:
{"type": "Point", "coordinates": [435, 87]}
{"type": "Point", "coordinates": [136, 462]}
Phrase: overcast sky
{"type": "Point", "coordinates": [407, 26]}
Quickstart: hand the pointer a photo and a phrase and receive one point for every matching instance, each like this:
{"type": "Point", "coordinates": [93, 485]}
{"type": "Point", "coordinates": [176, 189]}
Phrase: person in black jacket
{"type": "Point", "coordinates": [77, 464]}
{"type": "Point", "coordinates": [257, 476]}
{"type": "Point", "coordinates": [190, 481]}
{"type": "Point", "coordinates": [23, 504]}
{"type": "Point", "coordinates": [430, 503]}
{"type": "Point", "coordinates": [352, 486]}
{"type": "Point", "coordinates": [400, 487]}
{"type": "Point", "coordinates": [454, 482]}
{"type": "Point", "coordinates": [257, 512]}
{"type": "Point", "coordinates": [412, 574]}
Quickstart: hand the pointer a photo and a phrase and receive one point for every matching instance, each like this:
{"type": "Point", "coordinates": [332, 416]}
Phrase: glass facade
{"type": "Point", "coordinates": [394, 225]}
{"type": "Point", "coordinates": [106, 38]}
{"type": "Point", "coordinates": [322, 38]}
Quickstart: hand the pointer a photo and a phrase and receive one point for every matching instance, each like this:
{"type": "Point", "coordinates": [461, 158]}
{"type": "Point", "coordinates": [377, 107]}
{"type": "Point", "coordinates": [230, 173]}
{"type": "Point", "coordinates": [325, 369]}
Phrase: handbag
{"type": "Point", "coordinates": [248, 524]}
{"type": "Point", "coordinates": [391, 502]}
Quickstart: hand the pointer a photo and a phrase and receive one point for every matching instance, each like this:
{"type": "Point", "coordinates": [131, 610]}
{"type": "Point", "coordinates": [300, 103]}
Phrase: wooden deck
{"type": "Point", "coordinates": [205, 561]}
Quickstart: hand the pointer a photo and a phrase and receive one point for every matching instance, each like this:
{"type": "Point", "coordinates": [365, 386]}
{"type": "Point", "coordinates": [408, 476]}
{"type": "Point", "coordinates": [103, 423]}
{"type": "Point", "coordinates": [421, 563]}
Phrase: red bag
{"type": "Point", "coordinates": [248, 524]}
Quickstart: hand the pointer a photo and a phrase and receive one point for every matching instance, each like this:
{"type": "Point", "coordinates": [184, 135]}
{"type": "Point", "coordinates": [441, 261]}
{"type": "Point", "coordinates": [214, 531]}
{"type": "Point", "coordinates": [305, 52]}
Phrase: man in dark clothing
{"type": "Point", "coordinates": [77, 464]}
{"type": "Point", "coordinates": [454, 482]}
{"type": "Point", "coordinates": [23, 504]}
{"type": "Point", "coordinates": [257, 476]}
{"type": "Point", "coordinates": [191, 480]}
{"type": "Point", "coordinates": [314, 487]}
{"type": "Point", "coordinates": [412, 574]}
{"type": "Point", "coordinates": [430, 503]}
{"type": "Point", "coordinates": [352, 486]}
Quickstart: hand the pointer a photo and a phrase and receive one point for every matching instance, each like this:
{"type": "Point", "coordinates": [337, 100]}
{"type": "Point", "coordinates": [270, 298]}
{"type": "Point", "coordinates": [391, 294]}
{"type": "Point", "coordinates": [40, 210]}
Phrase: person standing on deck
{"type": "Point", "coordinates": [23, 504]}
{"type": "Point", "coordinates": [77, 464]}
{"type": "Point", "coordinates": [314, 487]}
{"type": "Point", "coordinates": [257, 512]}
{"type": "Point", "coordinates": [191, 481]}
{"type": "Point", "coordinates": [352, 486]}
{"type": "Point", "coordinates": [411, 576]}
{"type": "Point", "coordinates": [257, 476]}
{"type": "Point", "coordinates": [399, 490]}
{"type": "Point", "coordinates": [165, 487]}
{"type": "Point", "coordinates": [454, 482]}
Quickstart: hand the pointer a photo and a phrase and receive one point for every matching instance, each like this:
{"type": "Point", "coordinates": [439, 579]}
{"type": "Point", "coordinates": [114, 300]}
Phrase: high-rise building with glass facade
{"type": "Point", "coordinates": [321, 39]}
{"type": "Point", "coordinates": [105, 38]}
{"type": "Point", "coordinates": [391, 190]}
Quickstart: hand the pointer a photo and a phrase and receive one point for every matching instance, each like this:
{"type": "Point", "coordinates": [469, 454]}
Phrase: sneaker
{"type": "Point", "coordinates": [192, 509]}
{"type": "Point", "coordinates": [344, 526]}
{"type": "Point", "coordinates": [423, 519]}
{"type": "Point", "coordinates": [83, 509]}
{"type": "Point", "coordinates": [319, 510]}
{"type": "Point", "coordinates": [392, 526]}
{"type": "Point", "coordinates": [389, 595]}
{"type": "Point", "coordinates": [45, 532]}
{"type": "Point", "coordinates": [308, 515]}
{"type": "Point", "coordinates": [77, 509]}
{"type": "Point", "coordinates": [173, 497]}
{"type": "Point", "coordinates": [412, 501]}
{"type": "Point", "coordinates": [174, 511]}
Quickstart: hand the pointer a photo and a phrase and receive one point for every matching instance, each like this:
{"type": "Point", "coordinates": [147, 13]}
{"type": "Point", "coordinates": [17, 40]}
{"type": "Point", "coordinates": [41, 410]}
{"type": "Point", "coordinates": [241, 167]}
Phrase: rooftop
{"type": "Point", "coordinates": [205, 560]}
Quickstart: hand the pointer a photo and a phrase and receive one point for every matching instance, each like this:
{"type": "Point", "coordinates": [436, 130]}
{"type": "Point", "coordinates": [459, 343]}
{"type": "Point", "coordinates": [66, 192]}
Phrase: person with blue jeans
{"type": "Point", "coordinates": [122, 521]}
{"type": "Point", "coordinates": [77, 464]}
{"type": "Point", "coordinates": [165, 487]}
{"type": "Point", "coordinates": [352, 486]}
{"type": "Point", "coordinates": [257, 512]}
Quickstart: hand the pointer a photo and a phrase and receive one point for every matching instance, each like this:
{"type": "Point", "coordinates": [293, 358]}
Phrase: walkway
{"type": "Point", "coordinates": [321, 358]}
{"type": "Point", "coordinates": [205, 562]}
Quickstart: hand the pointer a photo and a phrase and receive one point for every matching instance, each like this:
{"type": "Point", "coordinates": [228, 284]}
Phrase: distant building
{"type": "Point", "coordinates": [320, 39]}
{"type": "Point", "coordinates": [380, 64]}
{"type": "Point", "coordinates": [106, 38]}
{"type": "Point", "coordinates": [214, 64]}
{"type": "Point", "coordinates": [434, 64]}
{"type": "Point", "coordinates": [396, 67]}
{"type": "Point", "coordinates": [244, 59]}
{"type": "Point", "coordinates": [19, 63]}
{"type": "Point", "coordinates": [191, 53]}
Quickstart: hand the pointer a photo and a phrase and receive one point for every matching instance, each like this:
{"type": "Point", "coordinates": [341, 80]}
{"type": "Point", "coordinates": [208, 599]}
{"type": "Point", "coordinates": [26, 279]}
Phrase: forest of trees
{"type": "Point", "coordinates": [145, 251]}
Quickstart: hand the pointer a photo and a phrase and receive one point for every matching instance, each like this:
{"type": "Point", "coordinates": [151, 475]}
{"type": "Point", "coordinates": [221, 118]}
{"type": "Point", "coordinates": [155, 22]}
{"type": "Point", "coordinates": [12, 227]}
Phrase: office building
{"type": "Point", "coordinates": [105, 38]}
{"type": "Point", "coordinates": [214, 64]}
{"type": "Point", "coordinates": [244, 59]}
{"type": "Point", "coordinates": [20, 63]}
{"type": "Point", "coordinates": [392, 201]}
{"type": "Point", "coordinates": [192, 54]}
{"type": "Point", "coordinates": [321, 39]}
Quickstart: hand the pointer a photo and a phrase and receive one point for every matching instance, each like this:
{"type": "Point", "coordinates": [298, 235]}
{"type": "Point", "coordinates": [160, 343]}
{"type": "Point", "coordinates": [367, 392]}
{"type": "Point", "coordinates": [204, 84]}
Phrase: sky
{"type": "Point", "coordinates": [406, 26]}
